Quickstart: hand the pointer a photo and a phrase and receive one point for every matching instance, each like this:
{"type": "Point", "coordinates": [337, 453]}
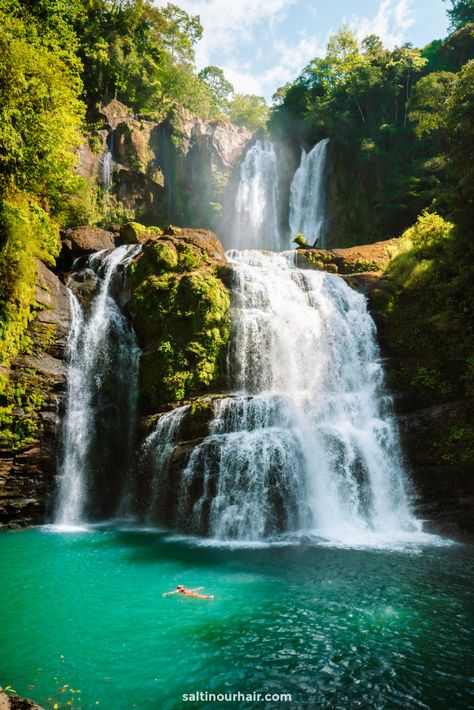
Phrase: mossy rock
{"type": "Point", "coordinates": [181, 315]}
{"type": "Point", "coordinates": [135, 233]}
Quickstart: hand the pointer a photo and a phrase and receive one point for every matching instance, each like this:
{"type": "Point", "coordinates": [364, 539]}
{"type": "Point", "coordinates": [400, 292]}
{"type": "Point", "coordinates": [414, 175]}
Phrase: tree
{"type": "Point", "coordinates": [40, 112]}
{"type": "Point", "coordinates": [181, 32]}
{"type": "Point", "coordinates": [461, 153]}
{"type": "Point", "coordinates": [461, 13]}
{"type": "Point", "coordinates": [220, 88]}
{"type": "Point", "coordinates": [249, 110]}
{"type": "Point", "coordinates": [429, 109]}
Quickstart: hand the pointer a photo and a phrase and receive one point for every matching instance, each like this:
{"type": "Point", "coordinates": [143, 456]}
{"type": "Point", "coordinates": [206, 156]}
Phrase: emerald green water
{"type": "Point", "coordinates": [336, 628]}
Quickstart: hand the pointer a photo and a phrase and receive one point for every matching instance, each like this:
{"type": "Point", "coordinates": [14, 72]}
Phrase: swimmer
{"type": "Point", "coordinates": [189, 592]}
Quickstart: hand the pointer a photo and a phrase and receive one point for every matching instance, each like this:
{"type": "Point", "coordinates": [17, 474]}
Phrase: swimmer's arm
{"type": "Point", "coordinates": [166, 594]}
{"type": "Point", "coordinates": [196, 589]}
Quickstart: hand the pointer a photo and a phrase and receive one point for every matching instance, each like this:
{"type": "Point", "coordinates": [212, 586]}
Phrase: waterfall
{"type": "Point", "coordinates": [308, 195]}
{"type": "Point", "coordinates": [255, 222]}
{"type": "Point", "coordinates": [156, 458]}
{"type": "Point", "coordinates": [107, 168]}
{"type": "Point", "coordinates": [308, 442]}
{"type": "Point", "coordinates": [103, 360]}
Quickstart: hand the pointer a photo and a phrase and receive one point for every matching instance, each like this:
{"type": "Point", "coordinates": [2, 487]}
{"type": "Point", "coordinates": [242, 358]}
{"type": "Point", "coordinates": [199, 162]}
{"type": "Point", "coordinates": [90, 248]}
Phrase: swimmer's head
{"type": "Point", "coordinates": [180, 587]}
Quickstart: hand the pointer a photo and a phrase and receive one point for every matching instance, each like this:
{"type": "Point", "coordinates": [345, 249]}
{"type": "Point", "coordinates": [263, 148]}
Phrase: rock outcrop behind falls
{"type": "Point", "coordinates": [37, 385]}
{"type": "Point", "coordinates": [175, 170]}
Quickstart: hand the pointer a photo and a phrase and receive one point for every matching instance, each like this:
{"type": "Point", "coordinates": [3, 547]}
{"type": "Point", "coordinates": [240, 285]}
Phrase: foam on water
{"type": "Point", "coordinates": [308, 441]}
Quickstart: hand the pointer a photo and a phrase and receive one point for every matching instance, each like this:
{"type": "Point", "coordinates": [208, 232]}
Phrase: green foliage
{"type": "Point", "coordinates": [220, 88]}
{"type": "Point", "coordinates": [142, 55]}
{"type": "Point", "coordinates": [27, 234]}
{"type": "Point", "coordinates": [20, 403]}
{"type": "Point", "coordinates": [249, 110]}
{"type": "Point", "coordinates": [461, 13]}
{"type": "Point", "coordinates": [461, 151]}
{"type": "Point", "coordinates": [429, 106]}
{"type": "Point", "coordinates": [40, 112]}
{"type": "Point", "coordinates": [430, 337]}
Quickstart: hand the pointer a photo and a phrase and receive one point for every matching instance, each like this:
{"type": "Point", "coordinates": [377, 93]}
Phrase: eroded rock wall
{"type": "Point", "coordinates": [174, 171]}
{"type": "Point", "coordinates": [36, 390]}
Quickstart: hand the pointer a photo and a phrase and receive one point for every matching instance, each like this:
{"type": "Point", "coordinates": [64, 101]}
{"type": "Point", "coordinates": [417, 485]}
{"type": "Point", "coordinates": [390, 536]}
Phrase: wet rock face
{"type": "Point", "coordinates": [38, 379]}
{"type": "Point", "coordinates": [445, 493]}
{"type": "Point", "coordinates": [193, 429]}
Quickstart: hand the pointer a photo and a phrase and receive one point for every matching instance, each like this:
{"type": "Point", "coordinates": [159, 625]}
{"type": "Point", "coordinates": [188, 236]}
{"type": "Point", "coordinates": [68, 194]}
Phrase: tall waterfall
{"type": "Point", "coordinates": [308, 442]}
{"type": "Point", "coordinates": [103, 360]}
{"type": "Point", "coordinates": [107, 168]}
{"type": "Point", "coordinates": [308, 195]}
{"type": "Point", "coordinates": [255, 222]}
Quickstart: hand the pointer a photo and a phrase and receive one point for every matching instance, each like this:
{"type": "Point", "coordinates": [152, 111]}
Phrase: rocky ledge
{"type": "Point", "coordinates": [11, 701]}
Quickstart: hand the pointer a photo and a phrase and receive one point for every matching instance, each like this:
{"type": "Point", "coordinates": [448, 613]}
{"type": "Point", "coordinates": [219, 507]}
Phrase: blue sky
{"type": "Point", "coordinates": [262, 44]}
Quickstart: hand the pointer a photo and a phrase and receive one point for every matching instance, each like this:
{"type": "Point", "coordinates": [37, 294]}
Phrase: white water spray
{"type": "Point", "coordinates": [103, 365]}
{"type": "Point", "coordinates": [309, 442]}
{"type": "Point", "coordinates": [107, 168]}
{"type": "Point", "coordinates": [255, 223]}
{"type": "Point", "coordinates": [308, 209]}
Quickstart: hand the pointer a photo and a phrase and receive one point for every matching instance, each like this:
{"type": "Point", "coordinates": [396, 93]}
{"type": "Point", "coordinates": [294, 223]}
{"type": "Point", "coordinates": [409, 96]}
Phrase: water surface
{"type": "Point", "coordinates": [335, 627]}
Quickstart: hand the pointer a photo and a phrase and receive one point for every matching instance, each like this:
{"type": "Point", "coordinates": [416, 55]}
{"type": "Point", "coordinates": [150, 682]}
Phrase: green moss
{"type": "Point", "coordinates": [28, 233]}
{"type": "Point", "coordinates": [300, 240]}
{"type": "Point", "coordinates": [182, 318]}
{"type": "Point", "coordinates": [319, 259]}
{"type": "Point", "coordinates": [362, 266]}
{"type": "Point", "coordinates": [427, 331]}
{"type": "Point", "coordinates": [20, 402]}
{"type": "Point", "coordinates": [188, 259]}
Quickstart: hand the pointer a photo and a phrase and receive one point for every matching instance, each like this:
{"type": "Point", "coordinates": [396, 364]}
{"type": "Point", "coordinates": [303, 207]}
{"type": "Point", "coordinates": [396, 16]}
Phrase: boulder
{"type": "Point", "coordinates": [135, 233]}
{"type": "Point", "coordinates": [180, 311]}
{"type": "Point", "coordinates": [11, 701]}
{"type": "Point", "coordinates": [82, 241]}
{"type": "Point", "coordinates": [369, 258]}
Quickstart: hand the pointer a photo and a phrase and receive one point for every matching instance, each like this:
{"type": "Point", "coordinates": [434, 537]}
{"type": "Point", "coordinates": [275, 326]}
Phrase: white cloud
{"type": "Point", "coordinates": [289, 61]}
{"type": "Point", "coordinates": [229, 24]}
{"type": "Point", "coordinates": [391, 22]}
{"type": "Point", "coordinates": [249, 28]}
{"type": "Point", "coordinates": [244, 38]}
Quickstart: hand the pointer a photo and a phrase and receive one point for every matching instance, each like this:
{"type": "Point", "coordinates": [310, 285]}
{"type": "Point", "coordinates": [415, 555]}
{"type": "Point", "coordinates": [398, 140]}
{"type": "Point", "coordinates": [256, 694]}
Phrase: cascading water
{"type": "Point", "coordinates": [107, 168]}
{"type": "Point", "coordinates": [103, 360]}
{"type": "Point", "coordinates": [308, 442]}
{"type": "Point", "coordinates": [308, 195]}
{"type": "Point", "coordinates": [255, 223]}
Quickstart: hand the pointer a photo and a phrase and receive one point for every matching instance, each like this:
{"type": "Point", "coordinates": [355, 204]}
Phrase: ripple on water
{"type": "Point", "coordinates": [334, 626]}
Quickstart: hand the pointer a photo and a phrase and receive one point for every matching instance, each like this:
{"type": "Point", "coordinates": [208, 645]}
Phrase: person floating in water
{"type": "Point", "coordinates": [189, 592]}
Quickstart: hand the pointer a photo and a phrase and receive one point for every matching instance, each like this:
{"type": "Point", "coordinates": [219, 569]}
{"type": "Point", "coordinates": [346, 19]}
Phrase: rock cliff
{"type": "Point", "coordinates": [37, 383]}
{"type": "Point", "coordinates": [173, 171]}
